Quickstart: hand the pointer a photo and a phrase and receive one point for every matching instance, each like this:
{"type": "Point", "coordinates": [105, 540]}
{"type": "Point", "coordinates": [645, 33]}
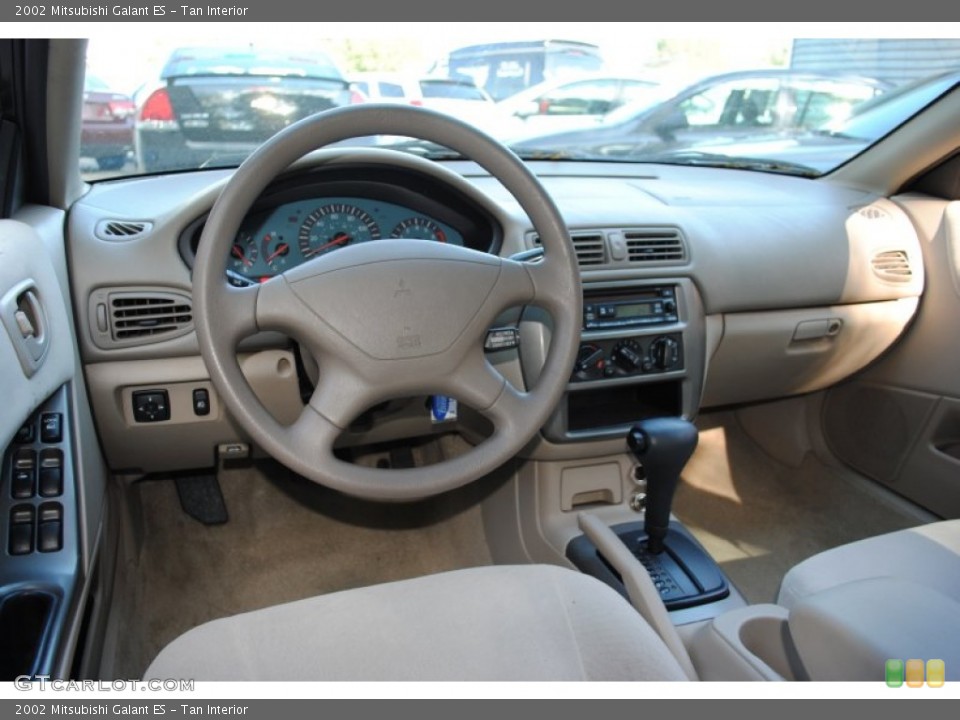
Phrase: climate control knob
{"type": "Point", "coordinates": [665, 353]}
{"type": "Point", "coordinates": [628, 356]}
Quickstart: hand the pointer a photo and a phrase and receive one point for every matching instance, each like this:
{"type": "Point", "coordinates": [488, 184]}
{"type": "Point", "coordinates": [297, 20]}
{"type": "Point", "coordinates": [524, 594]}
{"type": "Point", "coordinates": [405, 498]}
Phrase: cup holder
{"type": "Point", "coordinates": [25, 619]}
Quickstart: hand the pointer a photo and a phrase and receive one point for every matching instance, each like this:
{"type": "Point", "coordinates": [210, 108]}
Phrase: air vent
{"type": "Point", "coordinates": [655, 245]}
{"type": "Point", "coordinates": [135, 316]}
{"type": "Point", "coordinates": [892, 266]}
{"type": "Point", "coordinates": [122, 230]}
{"type": "Point", "coordinates": [590, 249]}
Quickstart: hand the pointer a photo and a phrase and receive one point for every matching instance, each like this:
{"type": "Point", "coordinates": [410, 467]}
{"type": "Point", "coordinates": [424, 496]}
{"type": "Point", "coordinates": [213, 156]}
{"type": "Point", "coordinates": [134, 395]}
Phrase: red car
{"type": "Point", "coordinates": [107, 131]}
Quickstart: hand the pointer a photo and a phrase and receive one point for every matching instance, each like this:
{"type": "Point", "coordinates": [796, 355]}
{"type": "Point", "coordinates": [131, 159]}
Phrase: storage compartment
{"type": "Point", "coordinates": [24, 624]}
{"type": "Point", "coordinates": [621, 405]}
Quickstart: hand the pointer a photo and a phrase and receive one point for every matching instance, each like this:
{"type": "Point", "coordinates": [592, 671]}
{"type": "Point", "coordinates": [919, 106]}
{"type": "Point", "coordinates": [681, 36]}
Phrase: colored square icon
{"type": "Point", "coordinates": [914, 673]}
{"type": "Point", "coordinates": [893, 673]}
{"type": "Point", "coordinates": [936, 673]}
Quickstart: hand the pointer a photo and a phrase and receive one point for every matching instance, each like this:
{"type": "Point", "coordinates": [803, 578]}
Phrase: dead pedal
{"type": "Point", "coordinates": [201, 498]}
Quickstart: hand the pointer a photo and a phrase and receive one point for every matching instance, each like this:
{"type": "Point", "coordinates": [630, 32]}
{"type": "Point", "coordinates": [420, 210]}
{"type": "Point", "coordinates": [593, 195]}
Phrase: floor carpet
{"type": "Point", "coordinates": [286, 539]}
{"type": "Point", "coordinates": [758, 517]}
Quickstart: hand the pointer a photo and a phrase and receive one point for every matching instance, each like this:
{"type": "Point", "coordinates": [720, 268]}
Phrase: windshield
{"type": "Point", "coordinates": [571, 92]}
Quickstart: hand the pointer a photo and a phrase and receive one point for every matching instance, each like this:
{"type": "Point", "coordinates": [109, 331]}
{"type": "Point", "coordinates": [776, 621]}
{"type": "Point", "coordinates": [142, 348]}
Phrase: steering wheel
{"type": "Point", "coordinates": [387, 320]}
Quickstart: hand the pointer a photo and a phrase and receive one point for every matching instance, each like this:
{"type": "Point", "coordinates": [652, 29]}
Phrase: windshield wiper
{"type": "Point", "coordinates": [705, 159]}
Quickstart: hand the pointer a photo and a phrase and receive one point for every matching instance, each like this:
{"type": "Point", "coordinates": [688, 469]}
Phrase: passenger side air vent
{"type": "Point", "coordinates": [590, 249]}
{"type": "Point", "coordinates": [655, 245]}
{"type": "Point", "coordinates": [138, 316]}
{"type": "Point", "coordinates": [892, 266]}
{"type": "Point", "coordinates": [122, 230]}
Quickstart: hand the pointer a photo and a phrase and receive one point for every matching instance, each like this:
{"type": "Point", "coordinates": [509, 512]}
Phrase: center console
{"type": "Point", "coordinates": [642, 354]}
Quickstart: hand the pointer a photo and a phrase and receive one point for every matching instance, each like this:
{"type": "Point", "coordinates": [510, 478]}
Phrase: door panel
{"type": "Point", "coordinates": [53, 477]}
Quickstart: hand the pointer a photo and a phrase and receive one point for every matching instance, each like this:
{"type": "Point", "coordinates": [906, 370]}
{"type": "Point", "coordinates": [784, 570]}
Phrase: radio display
{"type": "Point", "coordinates": [634, 310]}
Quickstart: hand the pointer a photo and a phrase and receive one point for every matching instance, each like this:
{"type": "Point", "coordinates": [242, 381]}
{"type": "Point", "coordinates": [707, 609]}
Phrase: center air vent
{"type": "Point", "coordinates": [138, 316]}
{"type": "Point", "coordinates": [650, 245]}
{"type": "Point", "coordinates": [122, 230]}
{"type": "Point", "coordinates": [892, 266]}
{"type": "Point", "coordinates": [590, 249]}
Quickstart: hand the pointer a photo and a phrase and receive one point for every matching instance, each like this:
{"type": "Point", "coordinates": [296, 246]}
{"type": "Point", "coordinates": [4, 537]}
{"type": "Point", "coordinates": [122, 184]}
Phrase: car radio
{"type": "Point", "coordinates": [648, 306]}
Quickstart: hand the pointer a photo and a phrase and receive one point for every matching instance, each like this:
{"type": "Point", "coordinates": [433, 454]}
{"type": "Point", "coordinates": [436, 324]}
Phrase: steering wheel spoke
{"type": "Point", "coordinates": [341, 395]}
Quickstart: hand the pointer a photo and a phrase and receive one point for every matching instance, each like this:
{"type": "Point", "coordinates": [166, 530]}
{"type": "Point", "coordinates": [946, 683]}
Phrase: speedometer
{"type": "Point", "coordinates": [334, 226]}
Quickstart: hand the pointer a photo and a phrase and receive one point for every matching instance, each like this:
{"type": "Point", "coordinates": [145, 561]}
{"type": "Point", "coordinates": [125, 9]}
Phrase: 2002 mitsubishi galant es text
{"type": "Point", "coordinates": [356, 413]}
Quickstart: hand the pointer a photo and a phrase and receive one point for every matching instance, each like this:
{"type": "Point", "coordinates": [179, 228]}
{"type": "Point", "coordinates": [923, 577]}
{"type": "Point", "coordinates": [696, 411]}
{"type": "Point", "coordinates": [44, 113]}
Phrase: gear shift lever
{"type": "Point", "coordinates": [662, 446]}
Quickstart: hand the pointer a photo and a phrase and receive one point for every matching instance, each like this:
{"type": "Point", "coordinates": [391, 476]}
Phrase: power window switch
{"type": "Point", "coordinates": [50, 537]}
{"type": "Point", "coordinates": [50, 527]}
{"type": "Point", "coordinates": [21, 530]}
{"type": "Point", "coordinates": [21, 539]}
{"type": "Point", "coordinates": [22, 482]}
{"type": "Point", "coordinates": [51, 427]}
{"type": "Point", "coordinates": [51, 481]}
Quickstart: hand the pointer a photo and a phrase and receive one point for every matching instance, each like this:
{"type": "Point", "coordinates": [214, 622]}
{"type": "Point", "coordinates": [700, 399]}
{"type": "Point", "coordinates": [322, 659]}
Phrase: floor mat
{"type": "Point", "coordinates": [287, 539]}
{"type": "Point", "coordinates": [758, 517]}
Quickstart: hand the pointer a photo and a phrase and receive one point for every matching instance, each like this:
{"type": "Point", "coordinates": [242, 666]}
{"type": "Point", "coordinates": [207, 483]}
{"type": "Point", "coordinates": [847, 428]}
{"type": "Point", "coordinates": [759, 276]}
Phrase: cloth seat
{"type": "Point", "coordinates": [528, 623]}
{"type": "Point", "coordinates": [928, 555]}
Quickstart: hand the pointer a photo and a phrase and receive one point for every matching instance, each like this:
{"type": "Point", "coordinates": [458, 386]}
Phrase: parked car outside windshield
{"type": "Point", "coordinates": [214, 106]}
{"type": "Point", "coordinates": [719, 108]}
{"type": "Point", "coordinates": [106, 135]}
{"type": "Point", "coordinates": [202, 106]}
{"type": "Point", "coordinates": [562, 104]}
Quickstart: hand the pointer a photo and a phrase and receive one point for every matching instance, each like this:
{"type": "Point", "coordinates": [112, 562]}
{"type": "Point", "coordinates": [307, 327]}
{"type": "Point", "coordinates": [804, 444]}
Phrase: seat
{"type": "Point", "coordinates": [528, 623]}
{"type": "Point", "coordinates": [928, 555]}
{"type": "Point", "coordinates": [897, 595]}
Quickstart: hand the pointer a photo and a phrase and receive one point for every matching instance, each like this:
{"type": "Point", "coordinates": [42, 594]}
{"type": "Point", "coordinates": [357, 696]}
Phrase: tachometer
{"type": "Point", "coordinates": [419, 228]}
{"type": "Point", "coordinates": [334, 226]}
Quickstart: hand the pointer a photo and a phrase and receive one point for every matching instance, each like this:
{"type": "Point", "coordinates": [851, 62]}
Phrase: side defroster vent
{"type": "Point", "coordinates": [655, 245]}
{"type": "Point", "coordinates": [122, 230]}
{"type": "Point", "coordinates": [121, 318]}
{"type": "Point", "coordinates": [892, 266]}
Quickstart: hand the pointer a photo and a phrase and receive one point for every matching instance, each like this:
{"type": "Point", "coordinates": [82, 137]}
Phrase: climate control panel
{"type": "Point", "coordinates": [628, 357]}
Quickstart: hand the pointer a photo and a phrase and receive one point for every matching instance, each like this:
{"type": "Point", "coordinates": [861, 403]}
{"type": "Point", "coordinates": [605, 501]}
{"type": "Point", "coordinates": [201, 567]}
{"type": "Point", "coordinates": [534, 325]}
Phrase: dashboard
{"type": "Point", "coordinates": [702, 288]}
{"type": "Point", "coordinates": [278, 239]}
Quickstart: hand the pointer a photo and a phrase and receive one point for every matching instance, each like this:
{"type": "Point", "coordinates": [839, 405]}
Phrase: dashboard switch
{"type": "Point", "coordinates": [151, 406]}
{"type": "Point", "coordinates": [201, 402]}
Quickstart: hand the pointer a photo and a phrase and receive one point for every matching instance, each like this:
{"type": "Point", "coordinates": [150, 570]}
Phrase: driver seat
{"type": "Point", "coordinates": [497, 623]}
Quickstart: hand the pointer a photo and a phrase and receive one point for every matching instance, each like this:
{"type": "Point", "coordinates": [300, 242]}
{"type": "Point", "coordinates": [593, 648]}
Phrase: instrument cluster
{"type": "Point", "coordinates": [275, 240]}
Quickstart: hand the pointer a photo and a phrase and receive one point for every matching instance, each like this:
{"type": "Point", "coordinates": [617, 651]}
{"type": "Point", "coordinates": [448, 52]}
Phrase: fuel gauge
{"type": "Point", "coordinates": [419, 228]}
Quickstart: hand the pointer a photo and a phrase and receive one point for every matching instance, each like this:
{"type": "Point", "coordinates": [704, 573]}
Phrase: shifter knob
{"type": "Point", "coordinates": [662, 446]}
